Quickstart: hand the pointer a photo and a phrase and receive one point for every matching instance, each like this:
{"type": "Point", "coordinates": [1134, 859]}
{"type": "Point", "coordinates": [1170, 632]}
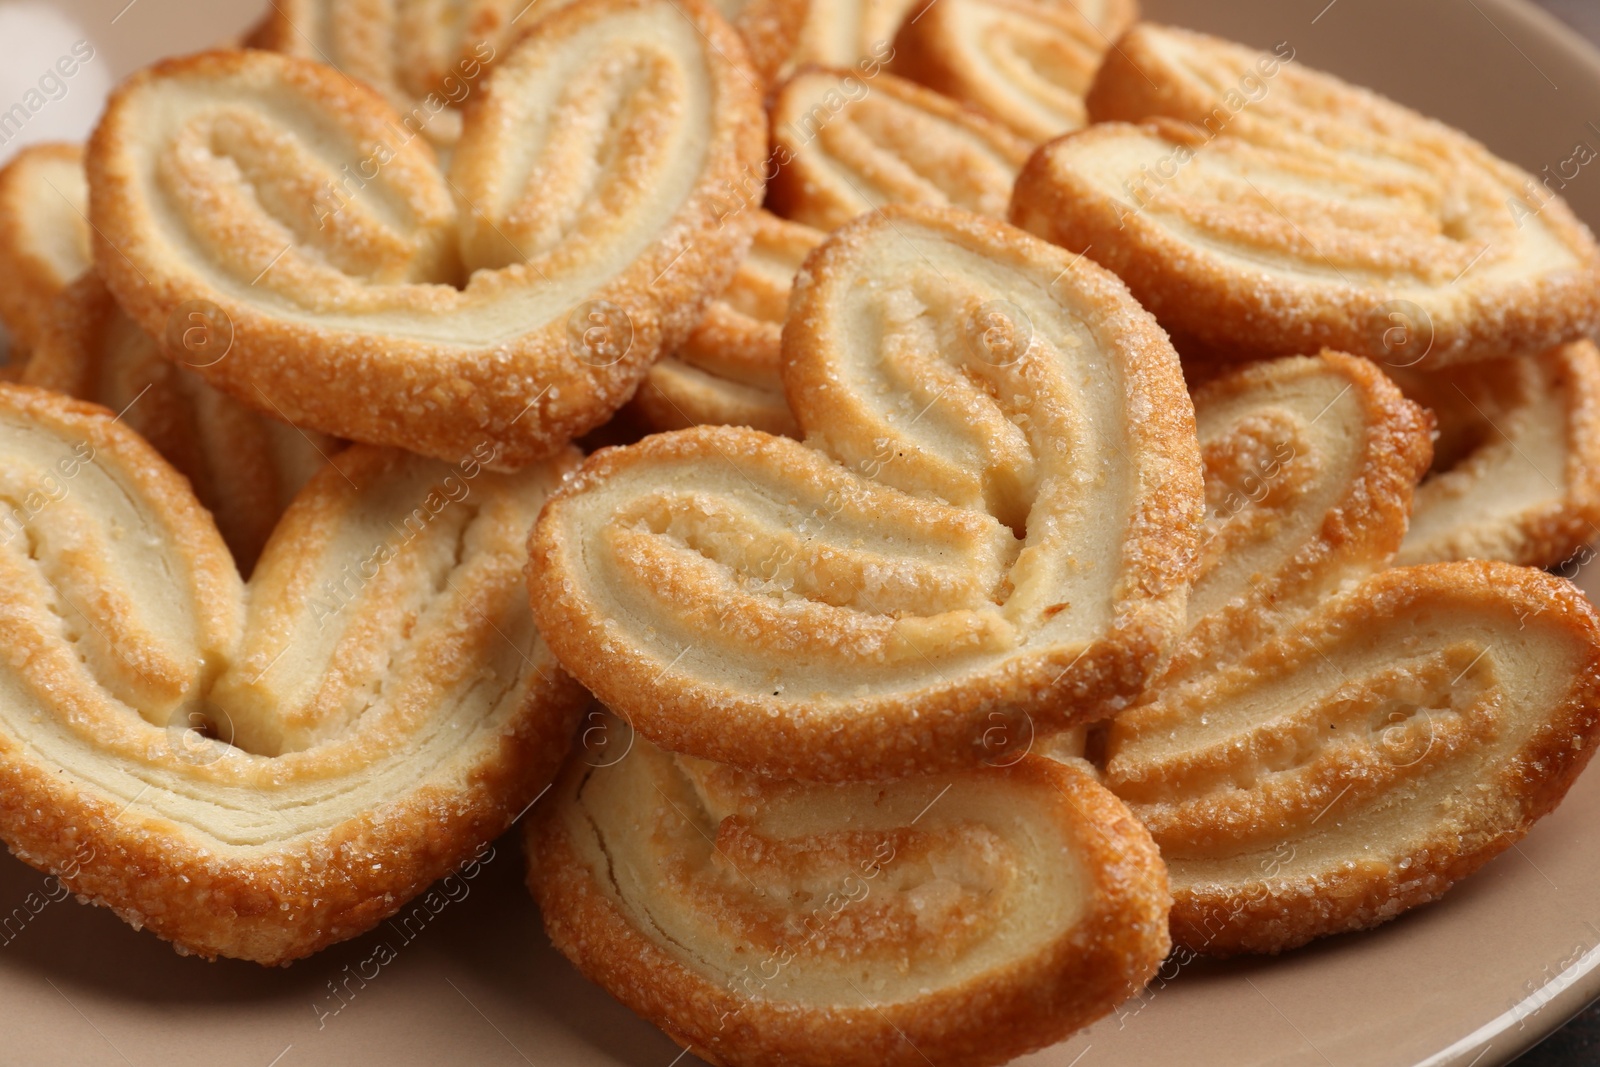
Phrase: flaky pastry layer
{"type": "Point", "coordinates": [966, 918]}
{"type": "Point", "coordinates": [1026, 63]}
{"type": "Point", "coordinates": [518, 300]}
{"type": "Point", "coordinates": [244, 467]}
{"type": "Point", "coordinates": [259, 771]}
{"type": "Point", "coordinates": [992, 519]}
{"type": "Point", "coordinates": [1266, 209]}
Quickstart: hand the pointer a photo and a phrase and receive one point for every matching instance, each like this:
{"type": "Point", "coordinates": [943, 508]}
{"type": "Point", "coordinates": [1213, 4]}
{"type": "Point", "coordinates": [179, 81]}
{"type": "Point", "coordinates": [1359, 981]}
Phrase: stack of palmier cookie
{"type": "Point", "coordinates": [1096, 503]}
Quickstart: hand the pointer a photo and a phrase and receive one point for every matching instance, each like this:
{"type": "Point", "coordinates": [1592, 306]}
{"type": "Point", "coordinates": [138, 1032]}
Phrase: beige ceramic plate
{"type": "Point", "coordinates": [1471, 981]}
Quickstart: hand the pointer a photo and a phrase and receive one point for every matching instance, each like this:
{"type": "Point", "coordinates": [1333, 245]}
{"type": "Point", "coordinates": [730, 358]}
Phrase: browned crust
{"type": "Point", "coordinates": [1271, 916]}
{"type": "Point", "coordinates": [316, 889]}
{"type": "Point", "coordinates": [793, 192]}
{"type": "Point", "coordinates": [1068, 984]}
{"type": "Point", "coordinates": [1360, 532]}
{"type": "Point", "coordinates": [440, 400]}
{"type": "Point", "coordinates": [28, 281]}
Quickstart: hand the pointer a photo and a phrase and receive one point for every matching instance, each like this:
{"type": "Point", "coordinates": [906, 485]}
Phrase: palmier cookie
{"type": "Point", "coordinates": [583, 248]}
{"type": "Point", "coordinates": [260, 771]}
{"type": "Point", "coordinates": [1267, 209]}
{"type": "Point", "coordinates": [1516, 471]}
{"type": "Point", "coordinates": [961, 920]}
{"type": "Point", "coordinates": [44, 236]}
{"type": "Point", "coordinates": [845, 144]}
{"type": "Point", "coordinates": [244, 468]}
{"type": "Point", "coordinates": [1026, 63]}
{"type": "Point", "coordinates": [727, 371]}
{"type": "Point", "coordinates": [427, 59]}
{"type": "Point", "coordinates": [989, 530]}
{"type": "Point", "coordinates": [1331, 761]}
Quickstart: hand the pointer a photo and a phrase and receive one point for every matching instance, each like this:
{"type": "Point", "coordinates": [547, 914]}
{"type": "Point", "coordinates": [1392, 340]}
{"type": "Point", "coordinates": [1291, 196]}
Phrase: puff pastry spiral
{"type": "Point", "coordinates": [259, 772]}
{"type": "Point", "coordinates": [1516, 473]}
{"type": "Point", "coordinates": [364, 302]}
{"type": "Point", "coordinates": [966, 919]}
{"type": "Point", "coordinates": [993, 518]}
{"type": "Point", "coordinates": [1267, 209]}
{"type": "Point", "coordinates": [1336, 742]}
{"type": "Point", "coordinates": [845, 144]}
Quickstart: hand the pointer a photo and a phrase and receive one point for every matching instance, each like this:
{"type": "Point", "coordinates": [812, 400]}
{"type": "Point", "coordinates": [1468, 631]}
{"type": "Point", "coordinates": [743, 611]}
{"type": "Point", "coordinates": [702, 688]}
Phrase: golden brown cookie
{"type": "Point", "coordinates": [961, 920]}
{"type": "Point", "coordinates": [1336, 742]}
{"type": "Point", "coordinates": [1026, 63]}
{"type": "Point", "coordinates": [845, 143]}
{"type": "Point", "coordinates": [727, 371]}
{"type": "Point", "coordinates": [1516, 471]}
{"type": "Point", "coordinates": [1367, 759]}
{"type": "Point", "coordinates": [1267, 209]}
{"type": "Point", "coordinates": [259, 771]}
{"type": "Point", "coordinates": [244, 467]}
{"type": "Point", "coordinates": [44, 236]}
{"type": "Point", "coordinates": [992, 519]}
{"type": "Point", "coordinates": [517, 302]}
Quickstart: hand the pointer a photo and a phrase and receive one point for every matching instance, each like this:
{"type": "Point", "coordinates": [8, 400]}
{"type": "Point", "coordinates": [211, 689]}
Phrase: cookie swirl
{"type": "Point", "coordinates": [1363, 762]}
{"type": "Point", "coordinates": [425, 56]}
{"type": "Point", "coordinates": [1264, 209]}
{"type": "Point", "coordinates": [261, 771]}
{"type": "Point", "coordinates": [1335, 740]}
{"type": "Point", "coordinates": [363, 303]}
{"type": "Point", "coordinates": [992, 518]}
{"type": "Point", "coordinates": [967, 918]}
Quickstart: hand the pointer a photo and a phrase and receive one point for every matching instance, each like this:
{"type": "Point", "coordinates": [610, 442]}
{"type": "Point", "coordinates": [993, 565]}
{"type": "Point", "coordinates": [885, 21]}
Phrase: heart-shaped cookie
{"type": "Point", "coordinates": [1516, 470]}
{"type": "Point", "coordinates": [1336, 742]}
{"type": "Point", "coordinates": [260, 771]}
{"type": "Point", "coordinates": [1266, 209]}
{"type": "Point", "coordinates": [1027, 63]}
{"type": "Point", "coordinates": [727, 371]}
{"type": "Point", "coordinates": [993, 517]}
{"type": "Point", "coordinates": [517, 300]}
{"type": "Point", "coordinates": [848, 141]}
{"type": "Point", "coordinates": [963, 919]}
{"type": "Point", "coordinates": [44, 236]}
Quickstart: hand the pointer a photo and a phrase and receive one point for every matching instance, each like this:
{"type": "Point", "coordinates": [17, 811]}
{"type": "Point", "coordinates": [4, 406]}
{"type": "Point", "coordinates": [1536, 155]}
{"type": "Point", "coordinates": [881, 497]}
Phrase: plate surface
{"type": "Point", "coordinates": [1471, 981]}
